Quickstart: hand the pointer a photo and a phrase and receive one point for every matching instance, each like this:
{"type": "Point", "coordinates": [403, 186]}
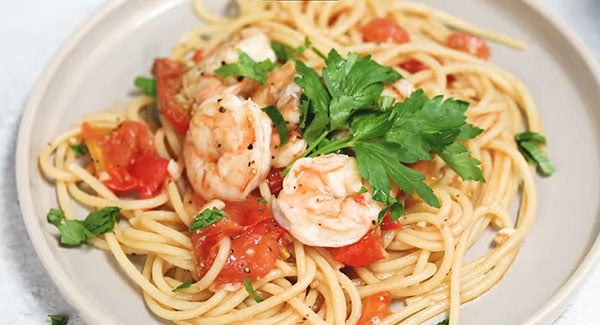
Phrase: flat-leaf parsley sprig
{"type": "Point", "coordinates": [343, 110]}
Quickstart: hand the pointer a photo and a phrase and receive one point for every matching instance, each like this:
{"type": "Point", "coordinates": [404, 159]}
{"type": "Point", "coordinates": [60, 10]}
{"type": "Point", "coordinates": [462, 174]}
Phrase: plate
{"type": "Point", "coordinates": [94, 71]}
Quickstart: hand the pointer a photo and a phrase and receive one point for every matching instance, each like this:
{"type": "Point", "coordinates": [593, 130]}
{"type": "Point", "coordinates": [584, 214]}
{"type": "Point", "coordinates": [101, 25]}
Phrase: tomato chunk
{"type": "Point", "coordinates": [151, 171]}
{"type": "Point", "coordinates": [275, 180]}
{"type": "Point", "coordinates": [375, 308]}
{"type": "Point", "coordinates": [128, 157]}
{"type": "Point", "coordinates": [413, 66]}
{"type": "Point", "coordinates": [256, 242]}
{"type": "Point", "coordinates": [168, 75]}
{"type": "Point", "coordinates": [384, 30]}
{"type": "Point", "coordinates": [388, 224]}
{"type": "Point", "coordinates": [469, 44]}
{"type": "Point", "coordinates": [366, 251]}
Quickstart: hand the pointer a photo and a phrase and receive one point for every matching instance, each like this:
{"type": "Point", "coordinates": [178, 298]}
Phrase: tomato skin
{"type": "Point", "coordinates": [469, 44]}
{"type": "Point", "coordinates": [375, 308]}
{"type": "Point", "coordinates": [254, 252]}
{"type": "Point", "coordinates": [388, 224]}
{"type": "Point", "coordinates": [198, 56]}
{"type": "Point", "coordinates": [366, 251]}
{"type": "Point", "coordinates": [256, 242]}
{"type": "Point", "coordinates": [151, 171]}
{"type": "Point", "coordinates": [128, 156]}
{"type": "Point", "coordinates": [168, 75]}
{"type": "Point", "coordinates": [413, 66]}
{"type": "Point", "coordinates": [275, 180]}
{"type": "Point", "coordinates": [384, 29]}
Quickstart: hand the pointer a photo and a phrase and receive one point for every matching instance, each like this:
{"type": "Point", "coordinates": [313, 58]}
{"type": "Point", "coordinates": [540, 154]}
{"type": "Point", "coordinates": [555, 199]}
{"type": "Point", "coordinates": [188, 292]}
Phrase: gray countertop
{"type": "Point", "coordinates": [30, 32]}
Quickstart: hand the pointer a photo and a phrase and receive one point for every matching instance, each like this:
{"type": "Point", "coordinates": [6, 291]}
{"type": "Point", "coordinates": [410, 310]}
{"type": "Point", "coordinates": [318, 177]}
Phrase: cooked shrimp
{"type": "Point", "coordinates": [282, 156]}
{"type": "Point", "coordinates": [283, 92]}
{"type": "Point", "coordinates": [199, 86]}
{"type": "Point", "coordinates": [227, 148]}
{"type": "Point", "coordinates": [252, 41]}
{"type": "Point", "coordinates": [321, 204]}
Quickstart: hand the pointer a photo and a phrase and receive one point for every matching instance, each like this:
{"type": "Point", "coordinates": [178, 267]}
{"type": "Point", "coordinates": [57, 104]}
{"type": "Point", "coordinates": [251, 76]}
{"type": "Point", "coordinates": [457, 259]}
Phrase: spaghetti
{"type": "Point", "coordinates": [425, 271]}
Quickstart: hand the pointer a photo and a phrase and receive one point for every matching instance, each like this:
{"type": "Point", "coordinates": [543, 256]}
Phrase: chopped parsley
{"type": "Point", "coordinates": [76, 232]}
{"type": "Point", "coordinates": [529, 144]}
{"type": "Point", "coordinates": [59, 319]}
{"type": "Point", "coordinates": [184, 285]}
{"type": "Point", "coordinates": [444, 322]}
{"type": "Point", "coordinates": [247, 67]}
{"type": "Point", "coordinates": [262, 200]}
{"type": "Point", "coordinates": [278, 122]}
{"type": "Point", "coordinates": [146, 85]}
{"type": "Point", "coordinates": [79, 149]}
{"type": "Point", "coordinates": [206, 218]}
{"type": "Point", "coordinates": [250, 290]}
{"type": "Point", "coordinates": [385, 135]}
{"type": "Point", "coordinates": [285, 53]}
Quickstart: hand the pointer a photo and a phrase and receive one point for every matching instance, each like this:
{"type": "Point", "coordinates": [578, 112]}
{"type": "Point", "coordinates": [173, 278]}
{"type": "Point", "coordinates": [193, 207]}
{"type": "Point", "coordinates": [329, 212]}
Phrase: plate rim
{"type": "Point", "coordinates": [92, 312]}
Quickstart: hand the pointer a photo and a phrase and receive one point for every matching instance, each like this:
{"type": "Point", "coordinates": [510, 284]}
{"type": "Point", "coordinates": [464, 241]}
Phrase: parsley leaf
{"type": "Point", "coordinates": [262, 200]}
{"type": "Point", "coordinates": [206, 218]}
{"type": "Point", "coordinates": [529, 144]}
{"type": "Point", "coordinates": [458, 157]}
{"type": "Point", "coordinates": [184, 285]}
{"type": "Point", "coordinates": [285, 53]}
{"type": "Point", "coordinates": [315, 102]}
{"type": "Point", "coordinates": [354, 83]}
{"type": "Point", "coordinates": [146, 85]}
{"type": "Point", "coordinates": [59, 319]}
{"type": "Point", "coordinates": [379, 160]}
{"type": "Point", "coordinates": [76, 232]}
{"type": "Point", "coordinates": [247, 67]}
{"type": "Point", "coordinates": [79, 149]}
{"type": "Point", "coordinates": [423, 125]}
{"type": "Point", "coordinates": [278, 122]}
{"type": "Point", "coordinates": [444, 322]}
{"type": "Point", "coordinates": [384, 135]}
{"type": "Point", "coordinates": [250, 290]}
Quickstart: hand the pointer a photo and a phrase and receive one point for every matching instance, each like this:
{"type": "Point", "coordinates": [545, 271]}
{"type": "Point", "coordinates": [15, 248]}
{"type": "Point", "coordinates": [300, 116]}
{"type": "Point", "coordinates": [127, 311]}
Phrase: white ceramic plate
{"type": "Point", "coordinates": [95, 68]}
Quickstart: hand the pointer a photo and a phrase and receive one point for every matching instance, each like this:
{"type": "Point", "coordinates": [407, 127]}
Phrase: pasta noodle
{"type": "Point", "coordinates": [427, 271]}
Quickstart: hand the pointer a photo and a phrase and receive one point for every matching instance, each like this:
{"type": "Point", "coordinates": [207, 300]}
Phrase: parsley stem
{"type": "Point", "coordinates": [306, 152]}
{"type": "Point", "coordinates": [334, 146]}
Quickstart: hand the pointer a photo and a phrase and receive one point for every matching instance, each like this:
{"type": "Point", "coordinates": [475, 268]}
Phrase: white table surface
{"type": "Point", "coordinates": [30, 32]}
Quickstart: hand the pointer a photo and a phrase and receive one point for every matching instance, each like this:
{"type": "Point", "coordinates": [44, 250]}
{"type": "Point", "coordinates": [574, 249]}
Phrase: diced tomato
{"type": "Point", "coordinates": [469, 44]}
{"type": "Point", "coordinates": [127, 155]}
{"type": "Point", "coordinates": [413, 66]}
{"type": "Point", "coordinates": [334, 18]}
{"type": "Point", "coordinates": [168, 75]}
{"type": "Point", "coordinates": [450, 79]}
{"type": "Point", "coordinates": [384, 30]}
{"type": "Point", "coordinates": [256, 244]}
{"type": "Point", "coordinates": [151, 171]}
{"type": "Point", "coordinates": [275, 180]}
{"type": "Point", "coordinates": [375, 308]}
{"type": "Point", "coordinates": [254, 252]}
{"type": "Point", "coordinates": [198, 56]}
{"type": "Point", "coordinates": [126, 142]}
{"type": "Point", "coordinates": [425, 167]}
{"type": "Point", "coordinates": [388, 224]}
{"type": "Point", "coordinates": [366, 251]}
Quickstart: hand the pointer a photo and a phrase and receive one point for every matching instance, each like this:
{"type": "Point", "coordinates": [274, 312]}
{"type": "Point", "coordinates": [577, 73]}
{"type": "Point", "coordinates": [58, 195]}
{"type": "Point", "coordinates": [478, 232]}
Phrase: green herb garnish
{"type": "Point", "coordinates": [250, 290]}
{"type": "Point", "coordinates": [285, 53]}
{"type": "Point", "coordinates": [529, 144]}
{"type": "Point", "coordinates": [247, 67]}
{"type": "Point", "coordinates": [59, 319]}
{"type": "Point", "coordinates": [76, 232]}
{"type": "Point", "coordinates": [146, 85]}
{"type": "Point", "coordinates": [184, 285]}
{"type": "Point", "coordinates": [206, 218]}
{"type": "Point", "coordinates": [385, 135]}
{"type": "Point", "coordinates": [278, 122]}
{"type": "Point", "coordinates": [79, 149]}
